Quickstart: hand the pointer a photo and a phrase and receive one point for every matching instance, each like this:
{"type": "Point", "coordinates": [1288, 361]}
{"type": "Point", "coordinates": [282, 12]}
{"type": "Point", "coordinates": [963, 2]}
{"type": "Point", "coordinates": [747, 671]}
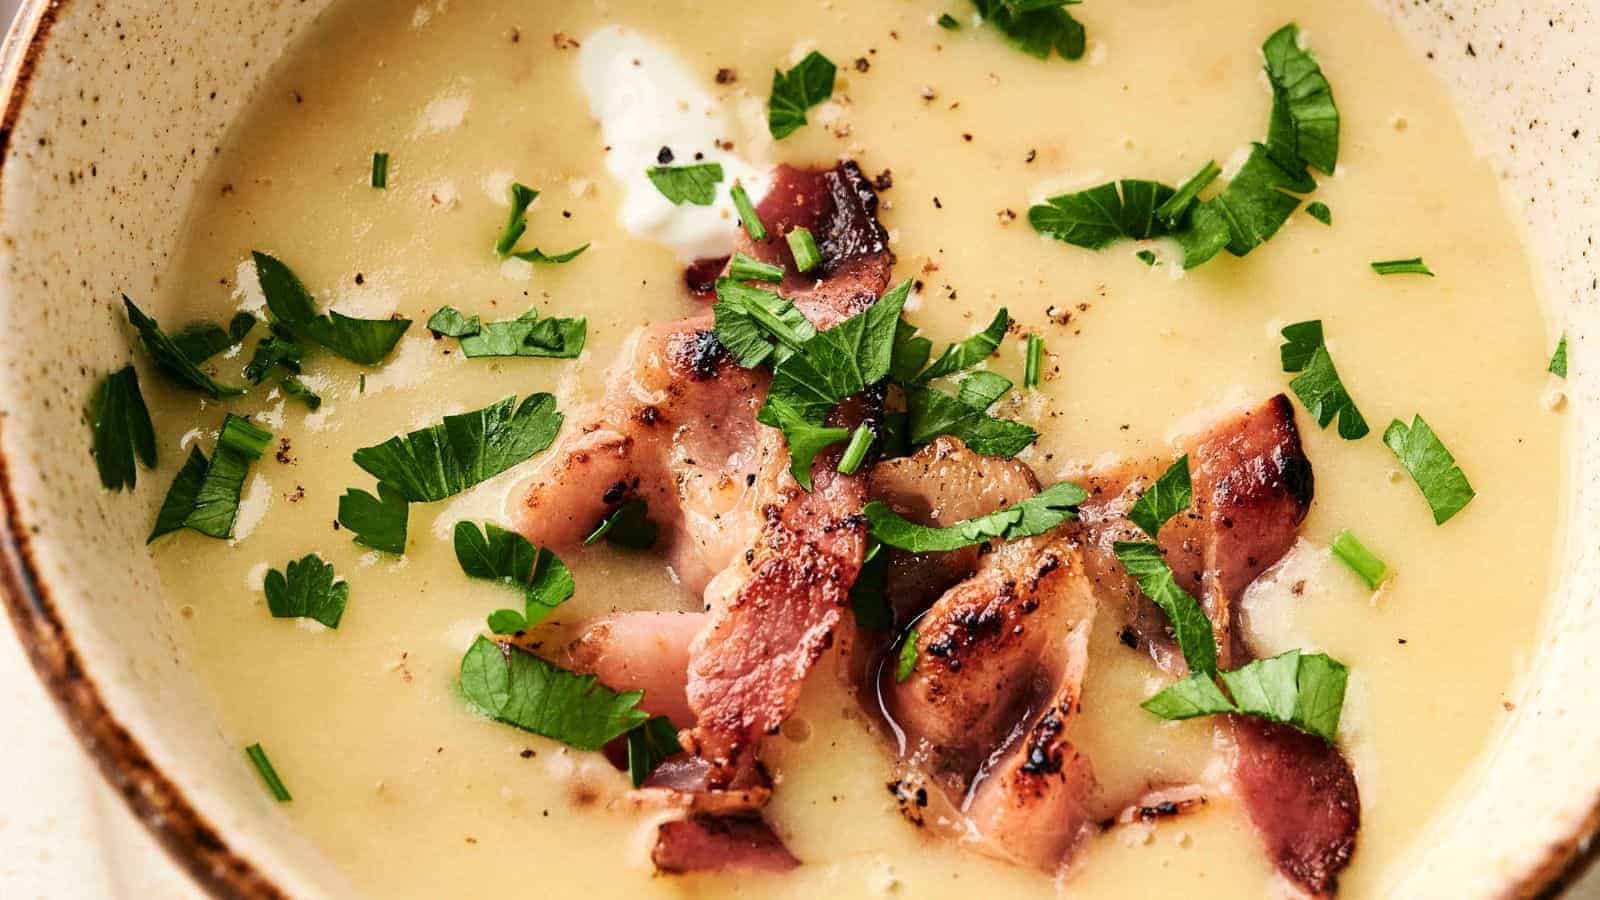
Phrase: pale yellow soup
{"type": "Point", "coordinates": [415, 795]}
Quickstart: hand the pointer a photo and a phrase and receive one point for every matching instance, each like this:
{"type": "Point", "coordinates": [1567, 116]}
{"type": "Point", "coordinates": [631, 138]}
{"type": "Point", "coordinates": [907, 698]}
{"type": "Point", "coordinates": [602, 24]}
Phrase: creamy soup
{"type": "Point", "coordinates": [414, 794]}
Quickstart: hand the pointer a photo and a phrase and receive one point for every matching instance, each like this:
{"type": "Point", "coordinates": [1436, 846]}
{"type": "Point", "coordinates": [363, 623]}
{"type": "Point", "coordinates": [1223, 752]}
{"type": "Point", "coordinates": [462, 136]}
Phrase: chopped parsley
{"type": "Point", "coordinates": [1303, 690]}
{"type": "Point", "coordinates": [294, 387]}
{"type": "Point", "coordinates": [364, 341]}
{"type": "Point", "coordinates": [931, 412]}
{"type": "Point", "coordinates": [747, 213]}
{"type": "Point", "coordinates": [906, 662]}
{"type": "Point", "coordinates": [1169, 495]}
{"type": "Point", "coordinates": [308, 591]}
{"type": "Point", "coordinates": [628, 525]}
{"type": "Point", "coordinates": [649, 745]}
{"type": "Point", "coordinates": [522, 197]}
{"type": "Point", "coordinates": [122, 431]}
{"type": "Point", "coordinates": [793, 92]}
{"type": "Point", "coordinates": [948, 22]}
{"type": "Point", "coordinates": [856, 451]}
{"type": "Point", "coordinates": [1413, 266]}
{"type": "Point", "coordinates": [263, 767]}
{"type": "Point", "coordinates": [380, 169]}
{"type": "Point", "coordinates": [745, 268]}
{"type": "Point", "coordinates": [804, 249]}
{"type": "Point", "coordinates": [508, 557]}
{"type": "Point", "coordinates": [1361, 561]}
{"type": "Point", "coordinates": [1174, 208]}
{"type": "Point", "coordinates": [1036, 27]}
{"type": "Point", "coordinates": [965, 354]}
{"type": "Point", "coordinates": [200, 341]}
{"type": "Point", "coordinates": [275, 350]}
{"type": "Point", "coordinates": [1144, 562]}
{"type": "Point", "coordinates": [204, 496]}
{"type": "Point", "coordinates": [511, 685]}
{"type": "Point", "coordinates": [1099, 216]}
{"type": "Point", "coordinates": [755, 325]}
{"type": "Point", "coordinates": [1035, 515]}
{"type": "Point", "coordinates": [1320, 211]}
{"type": "Point", "coordinates": [1033, 361]}
{"type": "Point", "coordinates": [1148, 257]}
{"type": "Point", "coordinates": [1306, 97]}
{"type": "Point", "coordinates": [527, 335]}
{"type": "Point", "coordinates": [1431, 466]}
{"type": "Point", "coordinates": [170, 357]}
{"type": "Point", "coordinates": [1558, 360]}
{"type": "Point", "coordinates": [463, 450]}
{"type": "Point", "coordinates": [378, 522]}
{"type": "Point", "coordinates": [868, 600]}
{"type": "Point", "coordinates": [1318, 385]}
{"type": "Point", "coordinates": [695, 184]}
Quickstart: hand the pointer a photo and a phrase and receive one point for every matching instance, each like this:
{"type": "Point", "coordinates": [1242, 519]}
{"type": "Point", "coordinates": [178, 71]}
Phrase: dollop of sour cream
{"type": "Point", "coordinates": [645, 99]}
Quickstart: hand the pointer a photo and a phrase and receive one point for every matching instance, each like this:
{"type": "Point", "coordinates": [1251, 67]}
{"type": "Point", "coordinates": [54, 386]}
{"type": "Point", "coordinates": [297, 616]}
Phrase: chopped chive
{"type": "Point", "coordinates": [1033, 361]}
{"type": "Point", "coordinates": [1558, 360]}
{"type": "Point", "coordinates": [907, 661]}
{"type": "Point", "coordinates": [1171, 211]}
{"type": "Point", "coordinates": [258, 758]}
{"type": "Point", "coordinates": [380, 170]}
{"type": "Point", "coordinates": [1360, 560]}
{"type": "Point", "coordinates": [804, 248]}
{"type": "Point", "coordinates": [1413, 266]}
{"type": "Point", "coordinates": [747, 214]}
{"type": "Point", "coordinates": [1148, 257]}
{"type": "Point", "coordinates": [856, 450]}
{"type": "Point", "coordinates": [1320, 211]}
{"type": "Point", "coordinates": [361, 385]}
{"type": "Point", "coordinates": [744, 268]}
{"type": "Point", "coordinates": [948, 22]}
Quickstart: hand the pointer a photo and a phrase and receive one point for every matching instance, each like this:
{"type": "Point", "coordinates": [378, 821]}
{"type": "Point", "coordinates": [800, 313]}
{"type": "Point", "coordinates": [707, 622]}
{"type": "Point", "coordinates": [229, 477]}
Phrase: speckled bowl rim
{"type": "Point", "coordinates": [188, 838]}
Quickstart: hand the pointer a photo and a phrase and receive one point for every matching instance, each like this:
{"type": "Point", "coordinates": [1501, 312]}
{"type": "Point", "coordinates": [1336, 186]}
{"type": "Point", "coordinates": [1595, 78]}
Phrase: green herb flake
{"type": "Point", "coordinates": [965, 354]}
{"type": "Point", "coordinates": [1033, 361]}
{"type": "Point", "coordinates": [1431, 466]}
{"type": "Point", "coordinates": [745, 268]}
{"type": "Point", "coordinates": [1361, 561]}
{"type": "Point", "coordinates": [906, 662]}
{"type": "Point", "coordinates": [948, 22]}
{"type": "Point", "coordinates": [513, 686]}
{"type": "Point", "coordinates": [274, 351]}
{"type": "Point", "coordinates": [1033, 516]}
{"type": "Point", "coordinates": [449, 322]}
{"type": "Point", "coordinates": [204, 495]}
{"type": "Point", "coordinates": [1168, 496]}
{"type": "Point", "coordinates": [1036, 27]}
{"type": "Point", "coordinates": [463, 450]}
{"type": "Point", "coordinates": [803, 247]}
{"type": "Point", "coordinates": [1558, 360]}
{"type": "Point", "coordinates": [1099, 216]}
{"type": "Point", "coordinates": [1144, 562]}
{"type": "Point", "coordinates": [522, 197]}
{"type": "Point", "coordinates": [506, 556]}
{"type": "Point", "coordinates": [629, 525]}
{"type": "Point", "coordinates": [307, 591]}
{"type": "Point", "coordinates": [839, 362]}
{"type": "Point", "coordinates": [1318, 386]}
{"type": "Point", "coordinates": [869, 600]}
{"type": "Point", "coordinates": [747, 213]}
{"type": "Point", "coordinates": [380, 169]}
{"type": "Point", "coordinates": [1307, 97]}
{"type": "Point", "coordinates": [526, 336]}
{"type": "Point", "coordinates": [793, 92]}
{"type": "Point", "coordinates": [931, 413]}
{"type": "Point", "coordinates": [1148, 257]}
{"type": "Point", "coordinates": [696, 184]}
{"type": "Point", "coordinates": [170, 358]}
{"type": "Point", "coordinates": [200, 341]}
{"type": "Point", "coordinates": [1320, 211]}
{"type": "Point", "coordinates": [1413, 266]}
{"type": "Point", "coordinates": [263, 767]}
{"type": "Point", "coordinates": [756, 325]}
{"type": "Point", "coordinates": [1172, 211]}
{"type": "Point", "coordinates": [649, 745]}
{"type": "Point", "coordinates": [121, 430]}
{"type": "Point", "coordinates": [378, 522]}
{"type": "Point", "coordinates": [294, 387]}
{"type": "Point", "coordinates": [364, 341]}
{"type": "Point", "coordinates": [856, 451]}
{"type": "Point", "coordinates": [1303, 690]}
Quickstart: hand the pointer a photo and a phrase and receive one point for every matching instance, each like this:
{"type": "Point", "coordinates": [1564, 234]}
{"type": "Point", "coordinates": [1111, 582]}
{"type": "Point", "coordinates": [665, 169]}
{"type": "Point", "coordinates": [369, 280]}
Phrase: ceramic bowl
{"type": "Point", "coordinates": [114, 107]}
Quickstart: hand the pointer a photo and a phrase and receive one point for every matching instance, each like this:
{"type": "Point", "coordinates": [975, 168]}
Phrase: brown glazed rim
{"type": "Point", "coordinates": [185, 834]}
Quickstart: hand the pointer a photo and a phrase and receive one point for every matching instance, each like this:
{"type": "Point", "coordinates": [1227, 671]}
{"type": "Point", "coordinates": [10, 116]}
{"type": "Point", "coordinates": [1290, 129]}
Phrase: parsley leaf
{"type": "Point", "coordinates": [695, 184]}
{"type": "Point", "coordinates": [294, 387]}
{"type": "Point", "coordinates": [1361, 561]}
{"type": "Point", "coordinates": [906, 662]}
{"type": "Point", "coordinates": [1307, 97]}
{"type": "Point", "coordinates": [931, 412]}
{"type": "Point", "coordinates": [272, 351]}
{"type": "Point", "coordinates": [364, 341]}
{"type": "Point", "coordinates": [170, 357]}
{"type": "Point", "coordinates": [1320, 211]}
{"type": "Point", "coordinates": [522, 197]}
{"type": "Point", "coordinates": [793, 92]}
{"type": "Point", "coordinates": [649, 745]}
{"type": "Point", "coordinates": [1319, 386]}
{"type": "Point", "coordinates": [1035, 515]}
{"type": "Point", "coordinates": [1254, 204]}
{"type": "Point", "coordinates": [1144, 562]}
{"type": "Point", "coordinates": [968, 353]}
{"type": "Point", "coordinates": [1099, 216]}
{"type": "Point", "coordinates": [627, 526]}
{"type": "Point", "coordinates": [1036, 26]}
{"type": "Point", "coordinates": [805, 439]}
{"type": "Point", "coordinates": [1420, 451]}
{"type": "Point", "coordinates": [378, 522]}
{"type": "Point", "coordinates": [1558, 360]}
{"type": "Point", "coordinates": [527, 335]}
{"type": "Point", "coordinates": [269, 775]}
{"type": "Point", "coordinates": [442, 460]}
{"type": "Point", "coordinates": [508, 557]}
{"type": "Point", "coordinates": [513, 686]}
{"type": "Point", "coordinates": [747, 317]}
{"type": "Point", "coordinates": [308, 592]}
{"type": "Point", "coordinates": [868, 600]}
{"type": "Point", "coordinates": [1175, 207]}
{"type": "Point", "coordinates": [120, 424]}
{"type": "Point", "coordinates": [1169, 495]}
{"type": "Point", "coordinates": [948, 22]}
{"type": "Point", "coordinates": [837, 363]}
{"type": "Point", "coordinates": [200, 341]}
{"type": "Point", "coordinates": [204, 496]}
{"type": "Point", "coordinates": [1413, 266]}
{"type": "Point", "coordinates": [1304, 690]}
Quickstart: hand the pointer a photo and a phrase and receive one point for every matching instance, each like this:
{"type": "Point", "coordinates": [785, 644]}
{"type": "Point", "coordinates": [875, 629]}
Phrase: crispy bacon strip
{"type": "Point", "coordinates": [720, 843]}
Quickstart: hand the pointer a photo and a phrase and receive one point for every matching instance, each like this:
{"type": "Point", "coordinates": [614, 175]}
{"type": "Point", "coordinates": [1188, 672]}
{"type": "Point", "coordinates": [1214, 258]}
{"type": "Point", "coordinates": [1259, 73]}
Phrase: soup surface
{"type": "Point", "coordinates": [416, 795]}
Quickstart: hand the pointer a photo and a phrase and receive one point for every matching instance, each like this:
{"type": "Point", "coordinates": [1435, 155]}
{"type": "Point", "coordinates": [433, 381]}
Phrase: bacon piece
{"type": "Point", "coordinates": [641, 651]}
{"type": "Point", "coordinates": [840, 209]}
{"type": "Point", "coordinates": [1163, 803]}
{"type": "Point", "coordinates": [720, 843]}
{"type": "Point", "coordinates": [1301, 796]}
